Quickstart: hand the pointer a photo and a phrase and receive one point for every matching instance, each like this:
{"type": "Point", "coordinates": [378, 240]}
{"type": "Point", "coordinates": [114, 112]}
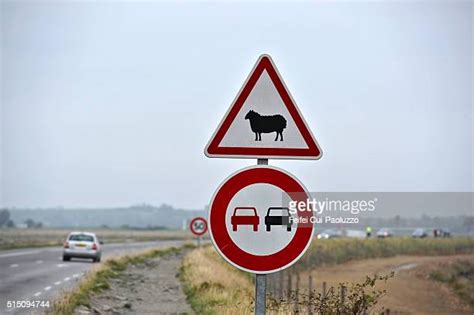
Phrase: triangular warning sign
{"type": "Point", "coordinates": [263, 121]}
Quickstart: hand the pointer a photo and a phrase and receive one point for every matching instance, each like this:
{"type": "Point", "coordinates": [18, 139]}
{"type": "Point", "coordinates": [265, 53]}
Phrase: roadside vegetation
{"type": "Point", "coordinates": [214, 287]}
{"type": "Point", "coordinates": [24, 238]}
{"type": "Point", "coordinates": [459, 276]}
{"type": "Point", "coordinates": [98, 278]}
{"type": "Point", "coordinates": [347, 298]}
{"type": "Point", "coordinates": [336, 251]}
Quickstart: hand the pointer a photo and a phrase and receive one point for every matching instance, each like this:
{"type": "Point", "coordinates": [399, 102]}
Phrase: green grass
{"type": "Point", "coordinates": [336, 251]}
{"type": "Point", "coordinates": [97, 280]}
{"type": "Point", "coordinates": [460, 278]}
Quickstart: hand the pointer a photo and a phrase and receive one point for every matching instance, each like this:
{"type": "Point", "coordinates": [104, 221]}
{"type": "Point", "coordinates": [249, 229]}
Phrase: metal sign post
{"type": "Point", "coordinates": [251, 241]}
{"type": "Point", "coordinates": [198, 227]}
{"type": "Point", "coordinates": [261, 279]}
{"type": "Point", "coordinates": [250, 225]}
{"type": "Point", "coordinates": [260, 294]}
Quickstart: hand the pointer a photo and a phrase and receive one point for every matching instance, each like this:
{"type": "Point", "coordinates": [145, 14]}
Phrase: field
{"type": "Point", "coordinates": [410, 291]}
{"type": "Point", "coordinates": [336, 251]}
{"type": "Point", "coordinates": [21, 238]}
{"type": "Point", "coordinates": [214, 287]}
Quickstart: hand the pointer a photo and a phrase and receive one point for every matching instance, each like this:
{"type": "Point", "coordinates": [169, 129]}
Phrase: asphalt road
{"type": "Point", "coordinates": [39, 274]}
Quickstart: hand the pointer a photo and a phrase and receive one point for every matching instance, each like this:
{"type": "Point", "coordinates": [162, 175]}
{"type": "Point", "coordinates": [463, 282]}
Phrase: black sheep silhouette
{"type": "Point", "coordinates": [266, 124]}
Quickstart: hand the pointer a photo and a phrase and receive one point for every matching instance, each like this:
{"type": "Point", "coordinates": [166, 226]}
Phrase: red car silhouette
{"type": "Point", "coordinates": [237, 219]}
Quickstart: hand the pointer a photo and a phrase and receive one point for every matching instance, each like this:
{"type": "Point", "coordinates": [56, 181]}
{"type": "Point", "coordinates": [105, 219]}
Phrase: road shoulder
{"type": "Point", "coordinates": [148, 287]}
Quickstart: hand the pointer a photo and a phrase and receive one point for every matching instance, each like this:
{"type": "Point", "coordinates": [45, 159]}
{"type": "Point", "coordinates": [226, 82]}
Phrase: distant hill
{"type": "Point", "coordinates": [140, 216]}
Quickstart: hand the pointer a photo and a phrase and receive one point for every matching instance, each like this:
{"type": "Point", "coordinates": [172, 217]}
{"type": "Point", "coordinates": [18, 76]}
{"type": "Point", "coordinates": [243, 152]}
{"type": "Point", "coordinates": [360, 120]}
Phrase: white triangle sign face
{"type": "Point", "coordinates": [263, 121]}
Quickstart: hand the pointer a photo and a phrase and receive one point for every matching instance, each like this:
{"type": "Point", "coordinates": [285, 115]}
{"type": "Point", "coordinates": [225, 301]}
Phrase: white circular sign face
{"type": "Point", "coordinates": [252, 224]}
{"type": "Point", "coordinates": [198, 226]}
{"type": "Point", "coordinates": [263, 197]}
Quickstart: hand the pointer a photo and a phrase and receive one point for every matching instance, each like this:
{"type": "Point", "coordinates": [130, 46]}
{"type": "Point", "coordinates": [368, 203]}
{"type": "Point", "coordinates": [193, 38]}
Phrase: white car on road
{"type": "Point", "coordinates": [82, 245]}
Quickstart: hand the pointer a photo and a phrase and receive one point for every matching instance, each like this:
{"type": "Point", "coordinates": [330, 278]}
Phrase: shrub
{"type": "Point", "coordinates": [347, 298]}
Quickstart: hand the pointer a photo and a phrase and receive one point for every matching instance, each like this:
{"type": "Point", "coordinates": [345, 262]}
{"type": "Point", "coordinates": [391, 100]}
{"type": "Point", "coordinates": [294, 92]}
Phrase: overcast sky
{"type": "Point", "coordinates": [111, 104]}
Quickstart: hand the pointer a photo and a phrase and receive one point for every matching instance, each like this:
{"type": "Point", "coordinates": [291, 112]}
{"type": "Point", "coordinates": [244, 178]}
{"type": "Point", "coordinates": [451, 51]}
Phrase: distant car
{"type": "Point", "coordinates": [282, 219]}
{"type": "Point", "coordinates": [384, 232]}
{"type": "Point", "coordinates": [419, 233]}
{"type": "Point", "coordinates": [445, 233]}
{"type": "Point", "coordinates": [326, 234]}
{"type": "Point", "coordinates": [82, 245]}
{"type": "Point", "coordinates": [441, 233]}
{"type": "Point", "coordinates": [238, 218]}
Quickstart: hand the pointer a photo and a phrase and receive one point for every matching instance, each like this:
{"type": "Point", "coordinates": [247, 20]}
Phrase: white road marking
{"type": "Point", "coordinates": [61, 265]}
{"type": "Point", "coordinates": [20, 253]}
{"type": "Point", "coordinates": [57, 283]}
{"type": "Point", "coordinates": [39, 261]}
{"type": "Point", "coordinates": [47, 288]}
{"type": "Point", "coordinates": [37, 294]}
{"type": "Point", "coordinates": [67, 279]}
{"type": "Point", "coordinates": [76, 275]}
{"type": "Point", "coordinates": [13, 265]}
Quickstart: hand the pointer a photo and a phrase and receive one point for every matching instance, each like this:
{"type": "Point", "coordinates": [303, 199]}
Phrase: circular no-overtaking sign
{"type": "Point", "coordinates": [252, 224]}
{"type": "Point", "coordinates": [198, 226]}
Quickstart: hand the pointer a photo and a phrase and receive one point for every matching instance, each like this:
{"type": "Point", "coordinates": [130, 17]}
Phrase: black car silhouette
{"type": "Point", "coordinates": [238, 219]}
{"type": "Point", "coordinates": [283, 219]}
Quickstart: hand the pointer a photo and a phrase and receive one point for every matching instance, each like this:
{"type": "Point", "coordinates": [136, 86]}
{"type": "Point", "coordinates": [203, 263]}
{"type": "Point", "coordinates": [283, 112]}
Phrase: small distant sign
{"type": "Point", "coordinates": [198, 226]}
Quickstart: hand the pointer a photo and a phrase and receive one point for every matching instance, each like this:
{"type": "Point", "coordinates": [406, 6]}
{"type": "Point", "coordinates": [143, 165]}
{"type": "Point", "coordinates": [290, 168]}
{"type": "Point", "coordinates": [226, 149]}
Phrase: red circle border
{"type": "Point", "coordinates": [219, 233]}
{"type": "Point", "coordinates": [205, 226]}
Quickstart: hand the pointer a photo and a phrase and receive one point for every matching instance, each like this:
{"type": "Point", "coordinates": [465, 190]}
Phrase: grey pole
{"type": "Point", "coordinates": [260, 294]}
{"type": "Point", "coordinates": [262, 161]}
{"type": "Point", "coordinates": [260, 280]}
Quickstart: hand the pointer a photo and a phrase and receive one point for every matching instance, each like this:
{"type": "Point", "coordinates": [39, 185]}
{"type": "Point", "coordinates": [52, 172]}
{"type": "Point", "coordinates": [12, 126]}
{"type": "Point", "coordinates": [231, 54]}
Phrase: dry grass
{"type": "Point", "coordinates": [213, 286]}
{"type": "Point", "coordinates": [96, 279]}
{"type": "Point", "coordinates": [459, 275]}
{"type": "Point", "coordinates": [21, 238]}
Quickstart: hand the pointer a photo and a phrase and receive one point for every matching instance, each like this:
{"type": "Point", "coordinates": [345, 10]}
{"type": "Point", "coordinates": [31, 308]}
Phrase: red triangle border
{"type": "Point", "coordinates": [214, 150]}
